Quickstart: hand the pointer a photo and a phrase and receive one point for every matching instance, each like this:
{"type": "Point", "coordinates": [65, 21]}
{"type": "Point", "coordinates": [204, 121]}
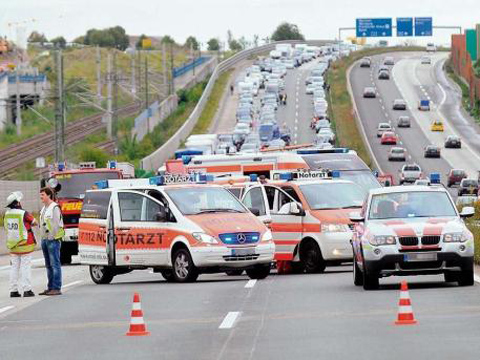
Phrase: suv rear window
{"type": "Point", "coordinates": [95, 204]}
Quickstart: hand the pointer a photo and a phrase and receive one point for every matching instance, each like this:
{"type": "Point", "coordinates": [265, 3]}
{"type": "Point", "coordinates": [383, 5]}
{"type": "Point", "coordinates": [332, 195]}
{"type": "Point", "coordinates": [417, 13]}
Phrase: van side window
{"type": "Point", "coordinates": [159, 196]}
{"type": "Point", "coordinates": [151, 210]}
{"type": "Point", "coordinates": [254, 200]}
{"type": "Point", "coordinates": [130, 205]}
{"type": "Point", "coordinates": [95, 204]}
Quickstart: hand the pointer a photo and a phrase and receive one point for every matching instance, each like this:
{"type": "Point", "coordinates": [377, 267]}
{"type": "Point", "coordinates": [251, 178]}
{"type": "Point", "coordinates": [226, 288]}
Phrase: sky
{"type": "Point", "coordinates": [317, 19]}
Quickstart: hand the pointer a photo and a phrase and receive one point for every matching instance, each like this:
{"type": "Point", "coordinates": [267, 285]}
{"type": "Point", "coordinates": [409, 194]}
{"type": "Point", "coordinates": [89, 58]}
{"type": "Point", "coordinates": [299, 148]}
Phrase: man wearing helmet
{"type": "Point", "coordinates": [21, 243]}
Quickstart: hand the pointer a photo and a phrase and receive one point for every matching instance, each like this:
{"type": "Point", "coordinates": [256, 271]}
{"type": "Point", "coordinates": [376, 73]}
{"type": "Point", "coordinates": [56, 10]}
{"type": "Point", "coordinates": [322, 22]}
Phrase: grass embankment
{"type": "Point", "coordinates": [211, 107]}
{"type": "Point", "coordinates": [342, 114]}
{"type": "Point", "coordinates": [473, 111]}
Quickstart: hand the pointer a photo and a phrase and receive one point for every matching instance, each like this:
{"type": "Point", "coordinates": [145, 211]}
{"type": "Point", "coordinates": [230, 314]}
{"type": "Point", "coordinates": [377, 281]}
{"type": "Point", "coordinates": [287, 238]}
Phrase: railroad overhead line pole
{"type": "Point", "coordinates": [59, 109]}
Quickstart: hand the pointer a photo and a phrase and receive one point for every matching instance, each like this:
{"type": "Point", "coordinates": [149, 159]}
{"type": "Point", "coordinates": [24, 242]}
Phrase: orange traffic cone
{"type": "Point", "coordinates": [405, 312]}
{"type": "Point", "coordinates": [137, 324]}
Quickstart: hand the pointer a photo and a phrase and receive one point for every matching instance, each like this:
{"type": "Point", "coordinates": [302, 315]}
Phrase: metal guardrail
{"type": "Point", "coordinates": [179, 71]}
{"type": "Point", "coordinates": [157, 158]}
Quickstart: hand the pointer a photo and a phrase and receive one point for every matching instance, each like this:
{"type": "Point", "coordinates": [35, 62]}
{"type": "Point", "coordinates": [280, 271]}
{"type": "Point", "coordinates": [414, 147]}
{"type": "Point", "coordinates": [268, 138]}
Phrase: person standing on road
{"type": "Point", "coordinates": [21, 243]}
{"type": "Point", "coordinates": [51, 225]}
{"type": "Point", "coordinates": [231, 89]}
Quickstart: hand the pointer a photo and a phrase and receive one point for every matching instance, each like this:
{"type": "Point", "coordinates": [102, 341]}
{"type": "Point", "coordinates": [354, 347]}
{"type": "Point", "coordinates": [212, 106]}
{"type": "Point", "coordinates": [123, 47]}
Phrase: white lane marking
{"type": "Point", "coordinates": [296, 113]}
{"type": "Point", "coordinates": [250, 284]}
{"type": "Point", "coordinates": [4, 267]}
{"type": "Point", "coordinates": [36, 261]}
{"type": "Point", "coordinates": [386, 114]}
{"type": "Point", "coordinates": [476, 278]}
{"type": "Point", "coordinates": [296, 106]}
{"type": "Point", "coordinates": [409, 157]}
{"type": "Point", "coordinates": [6, 308]}
{"type": "Point", "coordinates": [400, 142]}
{"type": "Point", "coordinates": [73, 283]}
{"type": "Point", "coordinates": [229, 320]}
{"type": "Point", "coordinates": [380, 99]}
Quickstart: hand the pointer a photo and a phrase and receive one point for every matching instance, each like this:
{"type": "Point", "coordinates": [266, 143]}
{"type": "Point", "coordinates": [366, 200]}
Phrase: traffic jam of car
{"type": "Point", "coordinates": [251, 200]}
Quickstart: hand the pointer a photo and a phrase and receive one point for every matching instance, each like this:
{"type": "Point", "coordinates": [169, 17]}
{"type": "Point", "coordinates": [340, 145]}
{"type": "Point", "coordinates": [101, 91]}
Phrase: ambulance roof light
{"type": "Point", "coordinates": [253, 177]}
{"type": "Point", "coordinates": [335, 173]}
{"type": "Point", "coordinates": [61, 166]}
{"type": "Point", "coordinates": [434, 178]}
{"type": "Point", "coordinates": [112, 164]}
{"type": "Point", "coordinates": [286, 176]}
{"type": "Point", "coordinates": [102, 184]}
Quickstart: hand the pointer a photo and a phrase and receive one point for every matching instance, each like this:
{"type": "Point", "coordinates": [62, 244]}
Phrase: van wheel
{"type": "Point", "coordinates": [101, 274]}
{"type": "Point", "coordinates": [312, 258]}
{"type": "Point", "coordinates": [259, 272]}
{"type": "Point", "coordinates": [234, 272]}
{"type": "Point", "coordinates": [357, 274]}
{"type": "Point", "coordinates": [168, 275]}
{"type": "Point", "coordinates": [183, 268]}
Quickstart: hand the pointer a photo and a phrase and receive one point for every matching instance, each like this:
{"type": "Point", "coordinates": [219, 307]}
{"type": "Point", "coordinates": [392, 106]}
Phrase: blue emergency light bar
{"type": "Point", "coordinates": [111, 164]}
{"type": "Point", "coordinates": [195, 178]}
{"type": "Point", "coordinates": [434, 178]}
{"type": "Point", "coordinates": [335, 174]}
{"type": "Point", "coordinates": [102, 184]}
{"type": "Point", "coordinates": [253, 177]}
{"type": "Point", "coordinates": [323, 151]}
{"type": "Point", "coordinates": [61, 166]}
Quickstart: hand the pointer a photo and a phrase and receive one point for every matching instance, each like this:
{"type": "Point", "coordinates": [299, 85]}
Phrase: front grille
{"type": "Point", "coordinates": [240, 238]}
{"type": "Point", "coordinates": [430, 239]}
{"type": "Point", "coordinates": [421, 265]}
{"type": "Point", "coordinates": [408, 240]}
{"type": "Point", "coordinates": [241, 257]}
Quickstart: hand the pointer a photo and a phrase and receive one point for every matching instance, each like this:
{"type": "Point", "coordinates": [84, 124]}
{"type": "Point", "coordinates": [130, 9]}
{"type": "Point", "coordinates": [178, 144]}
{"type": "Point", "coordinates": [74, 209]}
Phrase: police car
{"type": "Point", "coordinates": [173, 225]}
{"type": "Point", "coordinates": [411, 230]}
{"type": "Point", "coordinates": [307, 212]}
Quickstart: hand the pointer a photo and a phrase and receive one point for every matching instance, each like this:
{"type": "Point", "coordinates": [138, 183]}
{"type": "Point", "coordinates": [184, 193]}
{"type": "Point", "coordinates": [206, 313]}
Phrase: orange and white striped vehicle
{"type": "Point", "coordinates": [179, 230]}
{"type": "Point", "coordinates": [259, 164]}
{"type": "Point", "coordinates": [308, 213]}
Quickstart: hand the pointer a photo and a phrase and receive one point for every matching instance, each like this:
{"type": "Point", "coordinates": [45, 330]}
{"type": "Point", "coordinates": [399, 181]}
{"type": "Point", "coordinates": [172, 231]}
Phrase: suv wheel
{"type": "Point", "coordinates": [168, 275]}
{"type": "Point", "coordinates": [370, 281]}
{"type": "Point", "coordinates": [184, 269]}
{"type": "Point", "coordinates": [357, 273]}
{"type": "Point", "coordinates": [466, 278]}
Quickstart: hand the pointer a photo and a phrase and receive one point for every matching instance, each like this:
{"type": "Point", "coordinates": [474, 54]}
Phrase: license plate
{"type": "Point", "coordinates": [420, 257]}
{"type": "Point", "coordinates": [243, 252]}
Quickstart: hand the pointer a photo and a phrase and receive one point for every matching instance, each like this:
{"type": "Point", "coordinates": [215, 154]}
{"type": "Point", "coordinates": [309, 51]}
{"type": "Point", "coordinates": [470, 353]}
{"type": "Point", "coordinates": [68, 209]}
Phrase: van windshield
{"type": "Point", "coordinates": [74, 185]}
{"type": "Point", "coordinates": [333, 195]}
{"type": "Point", "coordinates": [199, 200]}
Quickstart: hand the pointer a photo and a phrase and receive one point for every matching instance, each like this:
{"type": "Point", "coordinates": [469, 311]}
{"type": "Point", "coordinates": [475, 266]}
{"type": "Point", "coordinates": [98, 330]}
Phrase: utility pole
{"type": "Point", "coordinates": [164, 68]}
{"type": "Point", "coordinates": [192, 56]}
{"type": "Point", "coordinates": [146, 92]}
{"type": "Point", "coordinates": [172, 83]}
{"type": "Point", "coordinates": [109, 95]}
{"type": "Point", "coordinates": [18, 111]}
{"type": "Point", "coordinates": [99, 75]}
{"type": "Point", "coordinates": [134, 85]}
{"type": "Point", "coordinates": [59, 109]}
{"type": "Point", "coordinates": [115, 102]}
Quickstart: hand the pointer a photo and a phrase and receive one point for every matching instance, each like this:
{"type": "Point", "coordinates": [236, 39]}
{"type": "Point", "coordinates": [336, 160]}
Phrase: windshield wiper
{"type": "Point", "coordinates": [213, 210]}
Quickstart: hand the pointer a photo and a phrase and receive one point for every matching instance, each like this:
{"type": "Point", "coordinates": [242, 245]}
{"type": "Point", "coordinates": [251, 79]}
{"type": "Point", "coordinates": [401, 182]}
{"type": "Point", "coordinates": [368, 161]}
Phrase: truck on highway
{"type": "Point", "coordinates": [70, 185]}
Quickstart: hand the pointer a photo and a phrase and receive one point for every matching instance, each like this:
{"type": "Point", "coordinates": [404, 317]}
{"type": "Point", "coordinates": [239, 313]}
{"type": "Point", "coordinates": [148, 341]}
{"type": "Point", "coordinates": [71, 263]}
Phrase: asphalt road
{"type": "Point", "coordinates": [321, 316]}
{"type": "Point", "coordinates": [413, 81]}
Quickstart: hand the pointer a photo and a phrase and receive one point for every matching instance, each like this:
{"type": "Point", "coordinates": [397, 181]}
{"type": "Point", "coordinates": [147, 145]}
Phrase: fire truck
{"type": "Point", "coordinates": [70, 184]}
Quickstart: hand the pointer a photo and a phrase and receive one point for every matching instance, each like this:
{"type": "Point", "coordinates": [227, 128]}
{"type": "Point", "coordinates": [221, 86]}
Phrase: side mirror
{"type": "Point", "coordinates": [161, 216]}
{"type": "Point", "coordinates": [268, 222]}
{"type": "Point", "coordinates": [296, 209]}
{"type": "Point", "coordinates": [467, 211]}
{"type": "Point", "coordinates": [375, 173]}
{"type": "Point", "coordinates": [356, 217]}
{"type": "Point", "coordinates": [254, 211]}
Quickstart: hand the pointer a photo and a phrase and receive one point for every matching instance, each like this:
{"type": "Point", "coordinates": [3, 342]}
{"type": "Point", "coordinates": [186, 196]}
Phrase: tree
{"type": "Point", "coordinates": [191, 42]}
{"type": "Point", "coordinates": [255, 40]}
{"type": "Point", "coordinates": [36, 37]}
{"type": "Point", "coordinates": [112, 37]}
{"type": "Point", "coordinates": [286, 31]}
{"type": "Point", "coordinates": [59, 42]}
{"type": "Point", "coordinates": [234, 45]}
{"type": "Point", "coordinates": [213, 44]}
{"type": "Point", "coordinates": [79, 40]}
{"type": "Point", "coordinates": [167, 39]}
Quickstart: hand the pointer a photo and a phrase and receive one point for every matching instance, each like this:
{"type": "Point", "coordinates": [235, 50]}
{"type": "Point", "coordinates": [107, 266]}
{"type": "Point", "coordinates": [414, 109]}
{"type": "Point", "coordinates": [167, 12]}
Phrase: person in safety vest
{"type": "Point", "coordinates": [51, 226]}
{"type": "Point", "coordinates": [21, 243]}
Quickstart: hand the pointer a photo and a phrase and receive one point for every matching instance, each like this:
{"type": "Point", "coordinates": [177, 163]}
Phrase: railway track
{"type": "Point", "coordinates": [43, 145]}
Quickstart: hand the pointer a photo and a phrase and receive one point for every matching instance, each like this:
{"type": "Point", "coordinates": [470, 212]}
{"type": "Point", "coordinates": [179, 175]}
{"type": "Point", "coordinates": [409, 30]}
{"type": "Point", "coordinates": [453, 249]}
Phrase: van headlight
{"type": "Point", "coordinates": [205, 238]}
{"type": "Point", "coordinates": [382, 240]}
{"type": "Point", "coordinates": [335, 228]}
{"type": "Point", "coordinates": [267, 236]}
{"type": "Point", "coordinates": [456, 237]}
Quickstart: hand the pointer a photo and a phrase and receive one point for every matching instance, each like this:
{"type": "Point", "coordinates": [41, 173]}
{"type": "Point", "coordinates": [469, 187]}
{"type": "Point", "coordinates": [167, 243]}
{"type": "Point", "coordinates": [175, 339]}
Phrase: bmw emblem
{"type": "Point", "coordinates": [241, 238]}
